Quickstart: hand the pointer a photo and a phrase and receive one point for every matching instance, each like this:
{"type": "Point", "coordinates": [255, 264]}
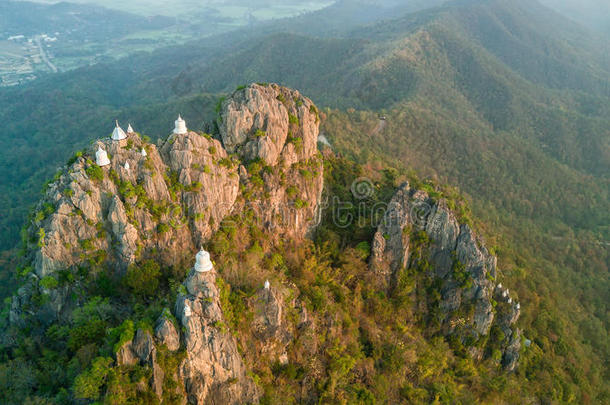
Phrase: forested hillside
{"type": "Point", "coordinates": [507, 101]}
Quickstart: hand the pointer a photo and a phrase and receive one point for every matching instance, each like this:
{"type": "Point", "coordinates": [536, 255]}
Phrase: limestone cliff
{"type": "Point", "coordinates": [255, 125]}
{"type": "Point", "coordinates": [419, 232]}
{"type": "Point", "coordinates": [213, 372]}
{"type": "Point", "coordinates": [164, 202]}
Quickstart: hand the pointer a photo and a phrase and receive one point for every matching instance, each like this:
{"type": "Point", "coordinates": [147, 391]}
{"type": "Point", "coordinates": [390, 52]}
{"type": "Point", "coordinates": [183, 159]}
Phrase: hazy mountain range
{"type": "Point", "coordinates": [593, 14]}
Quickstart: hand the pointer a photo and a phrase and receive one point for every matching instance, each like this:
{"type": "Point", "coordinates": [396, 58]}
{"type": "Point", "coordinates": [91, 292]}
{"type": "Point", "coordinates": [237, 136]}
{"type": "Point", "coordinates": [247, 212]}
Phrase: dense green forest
{"type": "Point", "coordinates": [507, 101]}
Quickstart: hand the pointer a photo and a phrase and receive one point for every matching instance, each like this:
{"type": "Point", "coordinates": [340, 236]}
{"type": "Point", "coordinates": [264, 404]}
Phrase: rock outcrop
{"type": "Point", "coordinates": [457, 258]}
{"type": "Point", "coordinates": [213, 371]}
{"type": "Point", "coordinates": [142, 350]}
{"type": "Point", "coordinates": [167, 333]}
{"type": "Point", "coordinates": [269, 325]}
{"type": "Point", "coordinates": [270, 123]}
{"type": "Point", "coordinates": [173, 199]}
{"type": "Point", "coordinates": [274, 131]}
{"type": "Point", "coordinates": [164, 205]}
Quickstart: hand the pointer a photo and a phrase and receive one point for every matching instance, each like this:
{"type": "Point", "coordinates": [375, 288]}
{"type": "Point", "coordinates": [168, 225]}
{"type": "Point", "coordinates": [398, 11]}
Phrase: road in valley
{"type": "Point", "coordinates": [44, 56]}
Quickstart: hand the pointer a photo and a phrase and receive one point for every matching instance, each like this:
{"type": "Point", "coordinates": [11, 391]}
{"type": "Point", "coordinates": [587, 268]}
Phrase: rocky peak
{"type": "Point", "coordinates": [213, 371]}
{"type": "Point", "coordinates": [419, 232]}
{"type": "Point", "coordinates": [174, 198]}
{"type": "Point", "coordinates": [163, 205]}
{"type": "Point", "coordinates": [269, 122]}
{"type": "Point", "coordinates": [166, 331]}
{"type": "Point", "coordinates": [142, 350]}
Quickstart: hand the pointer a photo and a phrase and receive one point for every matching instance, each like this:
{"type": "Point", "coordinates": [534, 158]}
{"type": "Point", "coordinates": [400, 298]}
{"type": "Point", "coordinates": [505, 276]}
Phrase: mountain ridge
{"type": "Point", "coordinates": [109, 232]}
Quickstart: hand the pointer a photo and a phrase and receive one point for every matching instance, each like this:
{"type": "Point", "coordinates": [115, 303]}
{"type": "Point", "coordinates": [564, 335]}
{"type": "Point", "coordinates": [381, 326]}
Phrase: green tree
{"type": "Point", "coordinates": [88, 384]}
{"type": "Point", "coordinates": [143, 279]}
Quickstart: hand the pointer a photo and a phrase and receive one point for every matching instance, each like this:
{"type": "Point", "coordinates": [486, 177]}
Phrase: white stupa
{"type": "Point", "coordinates": [518, 306]}
{"type": "Point", "coordinates": [127, 167]}
{"type": "Point", "coordinates": [118, 133]}
{"type": "Point", "coordinates": [500, 286]}
{"type": "Point", "coordinates": [187, 310]}
{"type": "Point", "coordinates": [203, 264]}
{"type": "Point", "coordinates": [267, 284]}
{"type": "Point", "coordinates": [510, 300]}
{"type": "Point", "coordinates": [130, 129]}
{"type": "Point", "coordinates": [144, 154]}
{"type": "Point", "coordinates": [180, 127]}
{"type": "Point", "coordinates": [101, 157]}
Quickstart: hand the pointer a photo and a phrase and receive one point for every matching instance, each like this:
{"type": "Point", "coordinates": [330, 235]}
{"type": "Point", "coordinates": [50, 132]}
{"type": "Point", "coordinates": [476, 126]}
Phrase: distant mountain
{"type": "Point", "coordinates": [497, 55]}
{"type": "Point", "coordinates": [593, 14]}
{"type": "Point", "coordinates": [343, 16]}
{"type": "Point", "coordinates": [93, 22]}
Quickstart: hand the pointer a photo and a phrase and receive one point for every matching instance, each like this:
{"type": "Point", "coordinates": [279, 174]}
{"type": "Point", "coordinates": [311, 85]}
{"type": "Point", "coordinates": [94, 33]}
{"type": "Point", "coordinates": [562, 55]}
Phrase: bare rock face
{"type": "Point", "coordinates": [269, 324]}
{"type": "Point", "coordinates": [124, 232]}
{"type": "Point", "coordinates": [275, 132]}
{"type": "Point", "coordinates": [458, 258]}
{"type": "Point", "coordinates": [267, 313]}
{"type": "Point", "coordinates": [143, 345]}
{"type": "Point", "coordinates": [510, 357]}
{"type": "Point", "coordinates": [142, 350]}
{"type": "Point", "coordinates": [390, 247]}
{"type": "Point", "coordinates": [269, 122]}
{"type": "Point", "coordinates": [126, 356]}
{"type": "Point", "coordinates": [174, 198]}
{"type": "Point", "coordinates": [171, 200]}
{"type": "Point", "coordinates": [213, 371]}
{"type": "Point", "coordinates": [77, 206]}
{"type": "Point", "coordinates": [208, 177]}
{"type": "Point", "coordinates": [166, 332]}
{"type": "Point", "coordinates": [19, 303]}
{"type": "Point", "coordinates": [287, 202]}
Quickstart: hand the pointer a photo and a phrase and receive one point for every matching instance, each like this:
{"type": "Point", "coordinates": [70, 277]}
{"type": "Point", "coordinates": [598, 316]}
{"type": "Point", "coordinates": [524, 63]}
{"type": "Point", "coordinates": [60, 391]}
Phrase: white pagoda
{"type": "Point", "coordinates": [203, 264]}
{"type": "Point", "coordinates": [144, 154]}
{"type": "Point", "coordinates": [180, 127]}
{"type": "Point", "coordinates": [101, 157]}
{"type": "Point", "coordinates": [187, 310]}
{"type": "Point", "coordinates": [130, 129]}
{"type": "Point", "coordinates": [127, 167]}
{"type": "Point", "coordinates": [118, 134]}
{"type": "Point", "coordinates": [267, 285]}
